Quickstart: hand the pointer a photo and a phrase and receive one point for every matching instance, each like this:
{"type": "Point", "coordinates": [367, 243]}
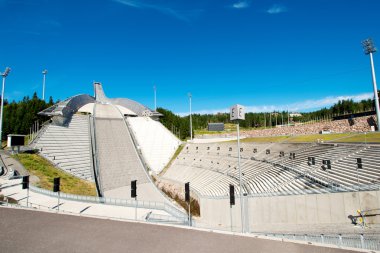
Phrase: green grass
{"type": "Point", "coordinates": [46, 172]}
{"type": "Point", "coordinates": [265, 139]}
{"type": "Point", "coordinates": [343, 137]}
{"type": "Point", "coordinates": [228, 128]}
{"type": "Point", "coordinates": [369, 137]}
{"type": "Point", "coordinates": [179, 149]}
{"type": "Point", "coordinates": [194, 204]}
{"type": "Point", "coordinates": [9, 199]}
{"type": "Point", "coordinates": [322, 137]}
{"type": "Point", "coordinates": [203, 131]}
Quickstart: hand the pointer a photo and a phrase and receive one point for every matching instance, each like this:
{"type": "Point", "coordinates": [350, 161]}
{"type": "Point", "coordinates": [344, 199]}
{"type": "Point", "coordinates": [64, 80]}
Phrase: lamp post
{"type": "Point", "coordinates": [265, 121]}
{"type": "Point", "coordinates": [237, 113]}
{"type": "Point", "coordinates": [4, 75]}
{"type": "Point", "coordinates": [155, 97]}
{"type": "Point", "coordinates": [270, 119]}
{"type": "Point", "coordinates": [282, 118]}
{"type": "Point", "coordinates": [44, 72]}
{"type": "Point", "coordinates": [369, 48]}
{"type": "Point", "coordinates": [191, 123]}
{"type": "Point", "coordinates": [288, 116]}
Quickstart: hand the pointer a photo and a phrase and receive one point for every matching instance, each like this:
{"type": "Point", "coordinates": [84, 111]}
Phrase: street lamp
{"type": "Point", "coordinates": [369, 48]}
{"type": "Point", "coordinates": [191, 123]}
{"type": "Point", "coordinates": [4, 75]}
{"type": "Point", "coordinates": [44, 72]}
{"type": "Point", "coordinates": [288, 116]}
{"type": "Point", "coordinates": [155, 98]}
{"type": "Point", "coordinates": [237, 112]}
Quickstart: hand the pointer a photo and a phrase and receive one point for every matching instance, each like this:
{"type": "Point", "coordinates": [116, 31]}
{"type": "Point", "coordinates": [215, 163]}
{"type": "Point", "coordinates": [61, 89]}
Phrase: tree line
{"type": "Point", "coordinates": [180, 125]}
{"type": "Point", "coordinates": [19, 116]}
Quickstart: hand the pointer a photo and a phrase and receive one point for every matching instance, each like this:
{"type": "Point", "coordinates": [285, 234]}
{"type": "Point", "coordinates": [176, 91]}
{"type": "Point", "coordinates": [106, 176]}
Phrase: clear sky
{"type": "Point", "coordinates": [263, 54]}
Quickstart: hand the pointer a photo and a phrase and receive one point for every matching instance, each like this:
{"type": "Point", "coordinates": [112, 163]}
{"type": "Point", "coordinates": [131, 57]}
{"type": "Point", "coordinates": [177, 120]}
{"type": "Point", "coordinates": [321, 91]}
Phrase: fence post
{"type": "Point", "coordinates": [340, 240]}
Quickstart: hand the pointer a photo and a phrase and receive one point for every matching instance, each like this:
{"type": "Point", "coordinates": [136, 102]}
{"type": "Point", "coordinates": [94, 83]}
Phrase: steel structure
{"type": "Point", "coordinates": [369, 49]}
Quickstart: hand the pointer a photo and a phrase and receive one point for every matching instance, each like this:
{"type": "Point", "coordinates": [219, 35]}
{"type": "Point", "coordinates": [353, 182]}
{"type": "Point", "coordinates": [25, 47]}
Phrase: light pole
{"type": "Point", "coordinates": [191, 123]}
{"type": "Point", "coordinates": [276, 114]}
{"type": "Point", "coordinates": [237, 112]}
{"type": "Point", "coordinates": [44, 72]}
{"type": "Point", "coordinates": [265, 121]}
{"type": "Point", "coordinates": [288, 116]}
{"type": "Point", "coordinates": [282, 118]}
{"type": "Point", "coordinates": [155, 97]}
{"type": "Point", "coordinates": [4, 75]}
{"type": "Point", "coordinates": [369, 48]}
{"type": "Point", "coordinates": [270, 119]}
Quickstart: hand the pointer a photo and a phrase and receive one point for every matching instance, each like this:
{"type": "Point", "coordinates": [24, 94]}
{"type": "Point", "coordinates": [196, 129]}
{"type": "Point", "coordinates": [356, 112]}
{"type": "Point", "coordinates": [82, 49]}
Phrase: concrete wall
{"type": "Point", "coordinates": [311, 212]}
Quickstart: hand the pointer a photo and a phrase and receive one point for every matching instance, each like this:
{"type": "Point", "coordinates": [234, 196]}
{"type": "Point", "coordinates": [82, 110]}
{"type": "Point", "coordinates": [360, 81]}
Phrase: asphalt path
{"type": "Point", "coordinates": [34, 231]}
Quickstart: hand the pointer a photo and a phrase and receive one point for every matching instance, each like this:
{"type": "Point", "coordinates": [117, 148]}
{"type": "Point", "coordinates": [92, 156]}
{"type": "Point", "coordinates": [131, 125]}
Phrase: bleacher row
{"type": "Point", "coordinates": [68, 147]}
{"type": "Point", "coordinates": [210, 168]}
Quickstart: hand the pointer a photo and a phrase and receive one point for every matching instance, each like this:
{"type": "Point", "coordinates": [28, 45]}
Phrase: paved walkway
{"type": "Point", "coordinates": [46, 232]}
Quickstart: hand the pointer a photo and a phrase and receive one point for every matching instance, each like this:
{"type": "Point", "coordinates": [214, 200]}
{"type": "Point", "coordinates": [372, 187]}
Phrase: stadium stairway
{"type": "Point", "coordinates": [68, 147]}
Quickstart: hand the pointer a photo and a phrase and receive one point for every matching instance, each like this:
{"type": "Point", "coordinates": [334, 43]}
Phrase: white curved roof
{"type": "Point", "coordinates": [88, 108]}
{"type": "Point", "coordinates": [125, 111]}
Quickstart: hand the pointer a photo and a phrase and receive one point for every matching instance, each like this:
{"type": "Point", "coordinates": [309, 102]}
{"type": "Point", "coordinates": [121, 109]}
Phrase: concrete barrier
{"type": "Point", "coordinates": [312, 212]}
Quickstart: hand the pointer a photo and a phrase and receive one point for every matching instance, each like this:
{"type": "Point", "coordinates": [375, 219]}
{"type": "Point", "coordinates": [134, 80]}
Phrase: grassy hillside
{"type": "Point", "coordinates": [373, 137]}
{"type": "Point", "coordinates": [46, 172]}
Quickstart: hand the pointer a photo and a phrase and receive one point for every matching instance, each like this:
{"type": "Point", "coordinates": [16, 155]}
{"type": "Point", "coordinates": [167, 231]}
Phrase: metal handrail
{"type": "Point", "coordinates": [363, 241]}
{"type": "Point", "coordinates": [111, 201]}
{"type": "Point", "coordinates": [41, 130]}
{"type": "Point", "coordinates": [95, 154]}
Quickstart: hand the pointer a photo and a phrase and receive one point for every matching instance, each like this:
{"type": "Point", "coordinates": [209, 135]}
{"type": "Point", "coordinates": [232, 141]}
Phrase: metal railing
{"type": "Point", "coordinates": [94, 155]}
{"type": "Point", "coordinates": [150, 217]}
{"type": "Point", "coordinates": [111, 201]}
{"type": "Point", "coordinates": [363, 241]}
{"type": "Point", "coordinates": [36, 130]}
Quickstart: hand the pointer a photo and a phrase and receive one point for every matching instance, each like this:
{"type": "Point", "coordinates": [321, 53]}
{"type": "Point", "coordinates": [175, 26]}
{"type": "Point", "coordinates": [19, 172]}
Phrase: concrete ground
{"type": "Point", "coordinates": [33, 231]}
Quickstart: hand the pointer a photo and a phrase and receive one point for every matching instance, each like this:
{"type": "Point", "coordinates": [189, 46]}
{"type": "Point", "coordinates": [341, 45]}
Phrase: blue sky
{"type": "Point", "coordinates": [262, 54]}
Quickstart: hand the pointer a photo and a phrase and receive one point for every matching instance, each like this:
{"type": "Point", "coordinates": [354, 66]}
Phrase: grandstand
{"type": "Point", "coordinates": [359, 124]}
{"type": "Point", "coordinates": [212, 167]}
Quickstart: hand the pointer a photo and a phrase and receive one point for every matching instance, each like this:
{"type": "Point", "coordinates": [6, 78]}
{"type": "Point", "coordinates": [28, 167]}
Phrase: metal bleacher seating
{"type": "Point", "coordinates": [212, 167]}
{"type": "Point", "coordinates": [68, 147]}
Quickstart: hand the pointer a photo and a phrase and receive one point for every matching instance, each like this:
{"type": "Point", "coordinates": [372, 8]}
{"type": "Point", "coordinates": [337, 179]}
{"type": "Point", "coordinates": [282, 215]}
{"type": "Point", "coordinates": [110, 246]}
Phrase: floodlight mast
{"type": "Point", "coordinates": [369, 48]}
{"type": "Point", "coordinates": [4, 75]}
{"type": "Point", "coordinates": [191, 123]}
{"type": "Point", "coordinates": [44, 72]}
{"type": "Point", "coordinates": [155, 98]}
